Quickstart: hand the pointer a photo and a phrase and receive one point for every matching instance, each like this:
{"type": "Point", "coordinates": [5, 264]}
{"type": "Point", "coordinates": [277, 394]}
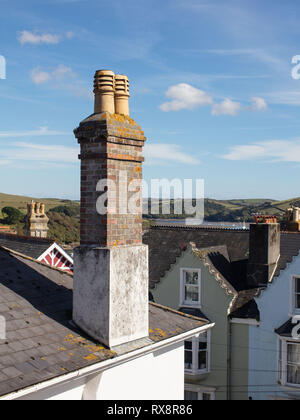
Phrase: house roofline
{"type": "Point", "coordinates": [108, 364]}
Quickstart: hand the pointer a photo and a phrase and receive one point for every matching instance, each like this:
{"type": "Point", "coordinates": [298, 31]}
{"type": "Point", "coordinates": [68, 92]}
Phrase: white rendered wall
{"type": "Point", "coordinates": [275, 309]}
{"type": "Point", "coordinates": [156, 376]}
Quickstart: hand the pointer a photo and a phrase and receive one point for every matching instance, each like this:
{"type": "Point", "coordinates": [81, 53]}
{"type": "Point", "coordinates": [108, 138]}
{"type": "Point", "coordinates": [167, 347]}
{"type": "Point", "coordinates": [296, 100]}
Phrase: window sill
{"type": "Point", "coordinates": [195, 372]}
{"type": "Point", "coordinates": [291, 386]}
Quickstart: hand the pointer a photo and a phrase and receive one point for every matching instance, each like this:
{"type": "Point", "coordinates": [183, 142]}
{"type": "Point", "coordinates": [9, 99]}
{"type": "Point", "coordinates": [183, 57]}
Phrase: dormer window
{"type": "Point", "coordinates": [190, 287]}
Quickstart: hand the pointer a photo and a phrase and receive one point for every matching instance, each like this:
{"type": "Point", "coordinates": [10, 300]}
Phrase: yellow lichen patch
{"type": "Point", "coordinates": [160, 332]}
{"type": "Point", "coordinates": [62, 349]}
{"type": "Point", "coordinates": [75, 340]}
{"type": "Point", "coordinates": [91, 357]}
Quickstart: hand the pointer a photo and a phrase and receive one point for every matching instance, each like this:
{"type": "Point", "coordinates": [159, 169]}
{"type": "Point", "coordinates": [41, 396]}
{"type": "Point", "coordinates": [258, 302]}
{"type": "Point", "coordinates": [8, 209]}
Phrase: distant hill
{"type": "Point", "coordinates": [20, 202]}
{"type": "Point", "coordinates": [64, 214]}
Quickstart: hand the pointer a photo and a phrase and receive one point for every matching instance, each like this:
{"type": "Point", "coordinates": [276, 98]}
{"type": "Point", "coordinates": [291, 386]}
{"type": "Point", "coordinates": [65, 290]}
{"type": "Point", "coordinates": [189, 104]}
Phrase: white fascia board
{"type": "Point", "coordinates": [97, 368]}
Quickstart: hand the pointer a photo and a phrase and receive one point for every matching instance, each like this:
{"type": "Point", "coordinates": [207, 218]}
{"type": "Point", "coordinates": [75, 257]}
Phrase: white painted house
{"type": "Point", "coordinates": [274, 349]}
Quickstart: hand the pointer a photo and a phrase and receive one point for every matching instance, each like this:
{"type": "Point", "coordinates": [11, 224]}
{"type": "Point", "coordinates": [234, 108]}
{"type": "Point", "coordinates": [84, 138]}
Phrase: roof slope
{"type": "Point", "coordinates": [31, 247]}
{"type": "Point", "coordinates": [42, 342]}
{"type": "Point", "coordinates": [224, 251]}
{"type": "Point", "coordinates": [166, 244]}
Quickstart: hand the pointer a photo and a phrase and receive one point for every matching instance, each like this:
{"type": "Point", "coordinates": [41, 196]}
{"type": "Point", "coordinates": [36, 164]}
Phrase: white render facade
{"type": "Point", "coordinates": [274, 360]}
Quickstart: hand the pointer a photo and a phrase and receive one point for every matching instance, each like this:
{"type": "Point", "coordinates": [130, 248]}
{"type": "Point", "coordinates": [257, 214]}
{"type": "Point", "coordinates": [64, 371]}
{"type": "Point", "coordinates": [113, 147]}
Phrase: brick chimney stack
{"type": "Point", "coordinates": [111, 264]}
{"type": "Point", "coordinates": [264, 250]}
{"type": "Point", "coordinates": [36, 221]}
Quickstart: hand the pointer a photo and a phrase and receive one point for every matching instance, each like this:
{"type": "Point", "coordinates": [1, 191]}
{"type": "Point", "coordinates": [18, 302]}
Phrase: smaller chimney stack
{"type": "Point", "coordinates": [36, 221]}
{"type": "Point", "coordinates": [104, 90]}
{"type": "Point", "coordinates": [264, 250]}
{"type": "Point", "coordinates": [122, 94]}
{"type": "Point", "coordinates": [293, 219]}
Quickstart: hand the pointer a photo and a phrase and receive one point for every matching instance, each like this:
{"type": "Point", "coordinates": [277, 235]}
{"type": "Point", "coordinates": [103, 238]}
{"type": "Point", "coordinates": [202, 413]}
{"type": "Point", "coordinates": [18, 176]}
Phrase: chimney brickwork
{"type": "Point", "coordinates": [111, 264]}
{"type": "Point", "coordinates": [264, 253]}
{"type": "Point", "coordinates": [36, 221]}
{"type": "Point", "coordinates": [111, 148]}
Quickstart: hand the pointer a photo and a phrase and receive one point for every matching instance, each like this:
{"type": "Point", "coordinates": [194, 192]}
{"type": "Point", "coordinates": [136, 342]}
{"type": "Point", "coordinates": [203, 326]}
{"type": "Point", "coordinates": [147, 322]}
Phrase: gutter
{"type": "Point", "coordinates": [107, 364]}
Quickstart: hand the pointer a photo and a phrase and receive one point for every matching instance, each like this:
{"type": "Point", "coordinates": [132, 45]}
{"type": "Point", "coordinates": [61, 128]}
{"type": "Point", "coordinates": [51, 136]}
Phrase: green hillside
{"type": "Point", "coordinates": [64, 214]}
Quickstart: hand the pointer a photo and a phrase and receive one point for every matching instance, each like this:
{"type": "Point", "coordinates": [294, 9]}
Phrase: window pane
{"type": "Point", "coordinates": [202, 360]}
{"type": "Point", "coordinates": [206, 396]}
{"type": "Point", "coordinates": [293, 353]}
{"type": "Point", "coordinates": [297, 285]}
{"type": "Point", "coordinates": [191, 277]}
{"type": "Point", "coordinates": [188, 345]}
{"type": "Point", "coordinates": [293, 374]}
{"type": "Point", "coordinates": [188, 359]}
{"type": "Point", "coordinates": [190, 395]}
{"type": "Point", "coordinates": [298, 300]}
{"type": "Point", "coordinates": [202, 346]}
{"type": "Point", "coordinates": [191, 293]}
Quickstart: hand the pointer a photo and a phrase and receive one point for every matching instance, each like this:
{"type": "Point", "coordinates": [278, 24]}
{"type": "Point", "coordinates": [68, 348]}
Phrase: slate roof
{"type": "Point", "coordinates": [31, 247]}
{"type": "Point", "coordinates": [41, 341]}
{"type": "Point", "coordinates": [166, 243]}
{"type": "Point", "coordinates": [227, 252]}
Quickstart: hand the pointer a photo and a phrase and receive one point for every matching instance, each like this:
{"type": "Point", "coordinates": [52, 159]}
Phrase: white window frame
{"type": "Point", "coordinates": [294, 310]}
{"type": "Point", "coordinates": [200, 390]}
{"type": "Point", "coordinates": [282, 375]}
{"type": "Point", "coordinates": [183, 302]}
{"type": "Point", "coordinates": [195, 349]}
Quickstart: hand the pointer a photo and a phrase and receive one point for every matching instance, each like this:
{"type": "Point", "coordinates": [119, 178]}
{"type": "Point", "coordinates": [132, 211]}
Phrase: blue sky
{"type": "Point", "coordinates": [211, 85]}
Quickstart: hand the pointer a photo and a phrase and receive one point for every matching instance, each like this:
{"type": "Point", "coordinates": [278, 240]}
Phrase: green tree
{"type": "Point", "coordinates": [13, 215]}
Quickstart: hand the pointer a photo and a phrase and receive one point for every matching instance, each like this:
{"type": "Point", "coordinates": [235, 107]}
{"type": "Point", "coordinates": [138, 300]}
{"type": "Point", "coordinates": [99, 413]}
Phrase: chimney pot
{"type": "Point", "coordinates": [104, 85]}
{"type": "Point", "coordinates": [122, 94]}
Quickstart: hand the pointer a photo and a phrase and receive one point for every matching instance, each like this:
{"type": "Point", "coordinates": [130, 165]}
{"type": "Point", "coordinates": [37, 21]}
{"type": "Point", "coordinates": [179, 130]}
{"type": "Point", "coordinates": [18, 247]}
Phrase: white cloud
{"type": "Point", "coordinates": [185, 96]}
{"type": "Point", "coordinates": [62, 72]}
{"type": "Point", "coordinates": [227, 107]}
{"type": "Point", "coordinates": [157, 153]}
{"type": "Point", "coordinates": [258, 104]}
{"type": "Point", "coordinates": [70, 35]}
{"type": "Point", "coordinates": [43, 131]}
{"type": "Point", "coordinates": [27, 37]}
{"type": "Point", "coordinates": [275, 150]}
{"type": "Point", "coordinates": [39, 76]}
{"type": "Point", "coordinates": [22, 151]}
{"type": "Point", "coordinates": [59, 78]}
